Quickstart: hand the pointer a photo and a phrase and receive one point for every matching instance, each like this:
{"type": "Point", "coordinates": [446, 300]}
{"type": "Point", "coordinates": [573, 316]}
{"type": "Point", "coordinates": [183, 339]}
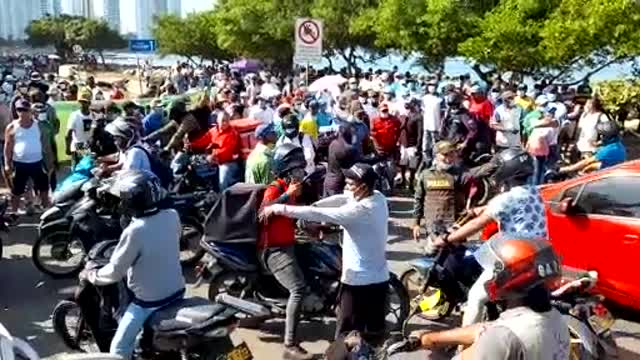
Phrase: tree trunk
{"type": "Point", "coordinates": [484, 76]}
{"type": "Point", "coordinates": [101, 54]}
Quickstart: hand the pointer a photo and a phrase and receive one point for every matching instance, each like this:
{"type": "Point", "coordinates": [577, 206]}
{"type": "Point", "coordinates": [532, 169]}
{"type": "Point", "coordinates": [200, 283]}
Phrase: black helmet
{"type": "Point", "coordinates": [454, 100]}
{"type": "Point", "coordinates": [286, 158]}
{"type": "Point", "coordinates": [512, 164]}
{"type": "Point", "coordinates": [608, 131]}
{"type": "Point", "coordinates": [291, 125]}
{"type": "Point", "coordinates": [139, 192]}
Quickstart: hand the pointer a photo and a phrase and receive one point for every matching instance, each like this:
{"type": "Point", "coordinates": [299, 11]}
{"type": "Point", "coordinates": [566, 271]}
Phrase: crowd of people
{"type": "Point", "coordinates": [433, 130]}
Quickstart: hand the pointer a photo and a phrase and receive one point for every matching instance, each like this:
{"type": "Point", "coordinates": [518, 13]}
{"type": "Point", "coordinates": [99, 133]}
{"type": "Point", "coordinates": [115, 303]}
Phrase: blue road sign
{"type": "Point", "coordinates": [142, 45]}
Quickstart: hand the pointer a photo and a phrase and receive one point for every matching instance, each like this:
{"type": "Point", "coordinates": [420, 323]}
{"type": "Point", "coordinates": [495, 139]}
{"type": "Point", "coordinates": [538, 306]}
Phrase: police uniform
{"type": "Point", "coordinates": [439, 196]}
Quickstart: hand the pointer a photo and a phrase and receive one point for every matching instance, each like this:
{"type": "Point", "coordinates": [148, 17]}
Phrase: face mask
{"type": "Point", "coordinates": [520, 93]}
{"type": "Point", "coordinates": [442, 166]}
{"type": "Point", "coordinates": [23, 90]}
{"type": "Point", "coordinates": [353, 86]}
{"type": "Point", "coordinates": [431, 89]}
{"type": "Point", "coordinates": [42, 117]}
{"type": "Point", "coordinates": [494, 95]}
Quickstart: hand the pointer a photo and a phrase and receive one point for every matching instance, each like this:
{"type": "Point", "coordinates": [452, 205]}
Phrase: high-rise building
{"type": "Point", "coordinates": [138, 15]}
{"type": "Point", "coordinates": [111, 13]}
{"type": "Point", "coordinates": [22, 12]}
{"type": "Point", "coordinates": [174, 7]}
{"type": "Point", "coordinates": [50, 7]}
{"type": "Point", "coordinates": [78, 7]}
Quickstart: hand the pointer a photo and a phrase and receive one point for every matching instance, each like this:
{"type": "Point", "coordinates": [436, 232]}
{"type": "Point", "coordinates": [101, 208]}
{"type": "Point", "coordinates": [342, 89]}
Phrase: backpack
{"type": "Point", "coordinates": [159, 168]}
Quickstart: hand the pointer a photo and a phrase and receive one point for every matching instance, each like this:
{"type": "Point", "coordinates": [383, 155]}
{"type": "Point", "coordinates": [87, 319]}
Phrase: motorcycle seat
{"type": "Point", "coordinates": [188, 313]}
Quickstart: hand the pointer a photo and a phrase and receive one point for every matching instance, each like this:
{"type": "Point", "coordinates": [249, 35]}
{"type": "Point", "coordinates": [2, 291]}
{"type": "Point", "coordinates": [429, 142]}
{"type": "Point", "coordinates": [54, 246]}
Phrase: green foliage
{"type": "Point", "coordinates": [620, 94]}
{"type": "Point", "coordinates": [261, 29]}
{"type": "Point", "coordinates": [193, 36]}
{"type": "Point", "coordinates": [347, 28]}
{"type": "Point", "coordinates": [65, 31]}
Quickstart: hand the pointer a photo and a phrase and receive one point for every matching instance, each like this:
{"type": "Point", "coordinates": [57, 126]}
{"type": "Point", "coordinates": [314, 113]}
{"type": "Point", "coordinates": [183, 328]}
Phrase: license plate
{"type": "Point", "coordinates": [240, 352]}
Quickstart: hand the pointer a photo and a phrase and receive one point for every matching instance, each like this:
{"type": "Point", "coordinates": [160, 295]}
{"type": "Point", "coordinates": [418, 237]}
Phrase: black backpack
{"type": "Point", "coordinates": [159, 167]}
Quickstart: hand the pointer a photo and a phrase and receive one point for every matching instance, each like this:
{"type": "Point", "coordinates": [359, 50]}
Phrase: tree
{"type": "Point", "coordinates": [591, 34]}
{"type": "Point", "coordinates": [49, 31]}
{"type": "Point", "coordinates": [65, 31]}
{"type": "Point", "coordinates": [192, 37]}
{"type": "Point", "coordinates": [509, 37]}
{"type": "Point", "coordinates": [346, 26]}
{"type": "Point", "coordinates": [261, 29]}
{"type": "Point", "coordinates": [95, 35]}
{"type": "Point", "coordinates": [431, 29]}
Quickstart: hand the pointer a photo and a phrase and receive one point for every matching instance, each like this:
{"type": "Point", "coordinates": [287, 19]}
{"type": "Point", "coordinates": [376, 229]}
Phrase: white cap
{"type": "Point", "coordinates": [542, 100]}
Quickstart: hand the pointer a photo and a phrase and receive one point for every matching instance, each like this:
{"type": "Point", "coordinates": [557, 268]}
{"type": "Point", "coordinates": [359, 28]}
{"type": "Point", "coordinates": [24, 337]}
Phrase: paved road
{"type": "Point", "coordinates": [27, 298]}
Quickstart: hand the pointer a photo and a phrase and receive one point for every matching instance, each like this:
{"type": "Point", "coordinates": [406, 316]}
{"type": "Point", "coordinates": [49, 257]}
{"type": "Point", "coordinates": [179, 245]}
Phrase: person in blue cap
{"type": "Point", "coordinates": [258, 167]}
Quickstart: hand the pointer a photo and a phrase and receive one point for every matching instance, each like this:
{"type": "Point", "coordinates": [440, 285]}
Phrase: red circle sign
{"type": "Point", "coordinates": [309, 32]}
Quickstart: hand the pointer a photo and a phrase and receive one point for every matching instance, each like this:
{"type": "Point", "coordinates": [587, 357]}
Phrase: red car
{"type": "Point", "coordinates": [594, 224]}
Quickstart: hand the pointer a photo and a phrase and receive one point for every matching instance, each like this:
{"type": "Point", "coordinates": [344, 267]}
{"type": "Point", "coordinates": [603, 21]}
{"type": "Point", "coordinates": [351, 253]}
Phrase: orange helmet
{"type": "Point", "coordinates": [518, 264]}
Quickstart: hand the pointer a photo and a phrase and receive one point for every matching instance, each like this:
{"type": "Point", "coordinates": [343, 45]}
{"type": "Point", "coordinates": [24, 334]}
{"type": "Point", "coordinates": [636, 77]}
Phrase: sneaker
{"type": "Point", "coordinates": [295, 352]}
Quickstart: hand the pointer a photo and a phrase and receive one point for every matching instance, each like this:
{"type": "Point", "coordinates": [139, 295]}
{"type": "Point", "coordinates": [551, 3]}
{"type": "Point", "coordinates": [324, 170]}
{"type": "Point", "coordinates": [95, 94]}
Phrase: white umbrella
{"type": "Point", "coordinates": [327, 82]}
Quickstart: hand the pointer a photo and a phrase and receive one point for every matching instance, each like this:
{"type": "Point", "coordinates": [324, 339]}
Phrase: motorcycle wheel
{"type": "Point", "coordinates": [58, 254]}
{"type": "Point", "coordinates": [398, 304]}
{"type": "Point", "coordinates": [227, 282]}
{"type": "Point", "coordinates": [413, 282]}
{"type": "Point", "coordinates": [190, 250]}
{"type": "Point", "coordinates": [69, 324]}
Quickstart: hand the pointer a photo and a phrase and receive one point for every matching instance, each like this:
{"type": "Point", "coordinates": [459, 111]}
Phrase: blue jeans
{"type": "Point", "coordinates": [228, 174]}
{"type": "Point", "coordinates": [539, 167]}
{"type": "Point", "coordinates": [124, 341]}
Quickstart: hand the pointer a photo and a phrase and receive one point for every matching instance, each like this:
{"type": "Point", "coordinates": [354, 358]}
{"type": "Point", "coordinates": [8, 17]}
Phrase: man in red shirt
{"type": "Point", "coordinates": [277, 239]}
{"type": "Point", "coordinates": [385, 132]}
{"type": "Point", "coordinates": [225, 144]}
{"type": "Point", "coordinates": [479, 105]}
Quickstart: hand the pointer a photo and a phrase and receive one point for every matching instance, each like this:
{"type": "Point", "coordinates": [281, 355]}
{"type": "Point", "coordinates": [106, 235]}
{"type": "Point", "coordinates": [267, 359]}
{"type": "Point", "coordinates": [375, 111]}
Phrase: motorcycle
{"type": "Point", "coordinates": [60, 249]}
{"type": "Point", "coordinates": [190, 328]}
{"type": "Point", "coordinates": [193, 173]}
{"type": "Point", "coordinates": [231, 266]}
{"type": "Point", "coordinates": [436, 293]}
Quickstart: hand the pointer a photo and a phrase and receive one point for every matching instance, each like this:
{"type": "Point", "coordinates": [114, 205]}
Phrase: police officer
{"type": "Point", "coordinates": [440, 199]}
{"type": "Point", "coordinates": [440, 190]}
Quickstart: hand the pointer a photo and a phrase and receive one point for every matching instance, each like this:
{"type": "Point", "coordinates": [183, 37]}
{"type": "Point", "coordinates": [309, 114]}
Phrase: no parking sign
{"type": "Point", "coordinates": [308, 33]}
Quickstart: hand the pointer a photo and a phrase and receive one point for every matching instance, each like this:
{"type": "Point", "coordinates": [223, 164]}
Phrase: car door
{"type": "Point", "coordinates": [605, 226]}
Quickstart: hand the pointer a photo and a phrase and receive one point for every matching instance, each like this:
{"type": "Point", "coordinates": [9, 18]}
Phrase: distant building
{"type": "Point", "coordinates": [174, 7]}
{"type": "Point", "coordinates": [111, 13]}
{"type": "Point", "coordinates": [50, 7]}
{"type": "Point", "coordinates": [137, 16]}
{"type": "Point", "coordinates": [78, 7]}
{"type": "Point", "coordinates": [14, 22]}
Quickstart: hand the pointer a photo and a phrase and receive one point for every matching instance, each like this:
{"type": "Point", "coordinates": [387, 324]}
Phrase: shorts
{"type": "Point", "coordinates": [23, 172]}
{"type": "Point", "coordinates": [409, 157]}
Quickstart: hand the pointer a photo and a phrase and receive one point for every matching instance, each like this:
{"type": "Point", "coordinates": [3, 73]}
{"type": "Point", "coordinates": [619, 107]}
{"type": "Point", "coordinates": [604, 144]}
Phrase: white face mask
{"type": "Point", "coordinates": [42, 117]}
{"type": "Point", "coordinates": [349, 194]}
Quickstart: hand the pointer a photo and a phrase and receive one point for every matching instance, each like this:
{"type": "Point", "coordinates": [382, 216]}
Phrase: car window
{"type": "Point", "coordinates": [614, 196]}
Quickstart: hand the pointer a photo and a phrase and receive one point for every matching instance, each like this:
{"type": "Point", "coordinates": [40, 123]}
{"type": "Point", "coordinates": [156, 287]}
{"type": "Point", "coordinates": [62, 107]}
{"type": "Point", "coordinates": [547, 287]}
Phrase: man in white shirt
{"type": "Point", "coordinates": [261, 111]}
{"type": "Point", "coordinates": [432, 121]}
{"type": "Point", "coordinates": [363, 214]}
{"type": "Point", "coordinates": [131, 156]}
{"type": "Point", "coordinates": [79, 128]}
{"type": "Point", "coordinates": [506, 122]}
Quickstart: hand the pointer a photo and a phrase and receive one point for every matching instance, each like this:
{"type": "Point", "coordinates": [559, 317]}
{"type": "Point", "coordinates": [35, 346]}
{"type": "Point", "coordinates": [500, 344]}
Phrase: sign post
{"type": "Point", "coordinates": [308, 34]}
{"type": "Point", "coordinates": [141, 46]}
